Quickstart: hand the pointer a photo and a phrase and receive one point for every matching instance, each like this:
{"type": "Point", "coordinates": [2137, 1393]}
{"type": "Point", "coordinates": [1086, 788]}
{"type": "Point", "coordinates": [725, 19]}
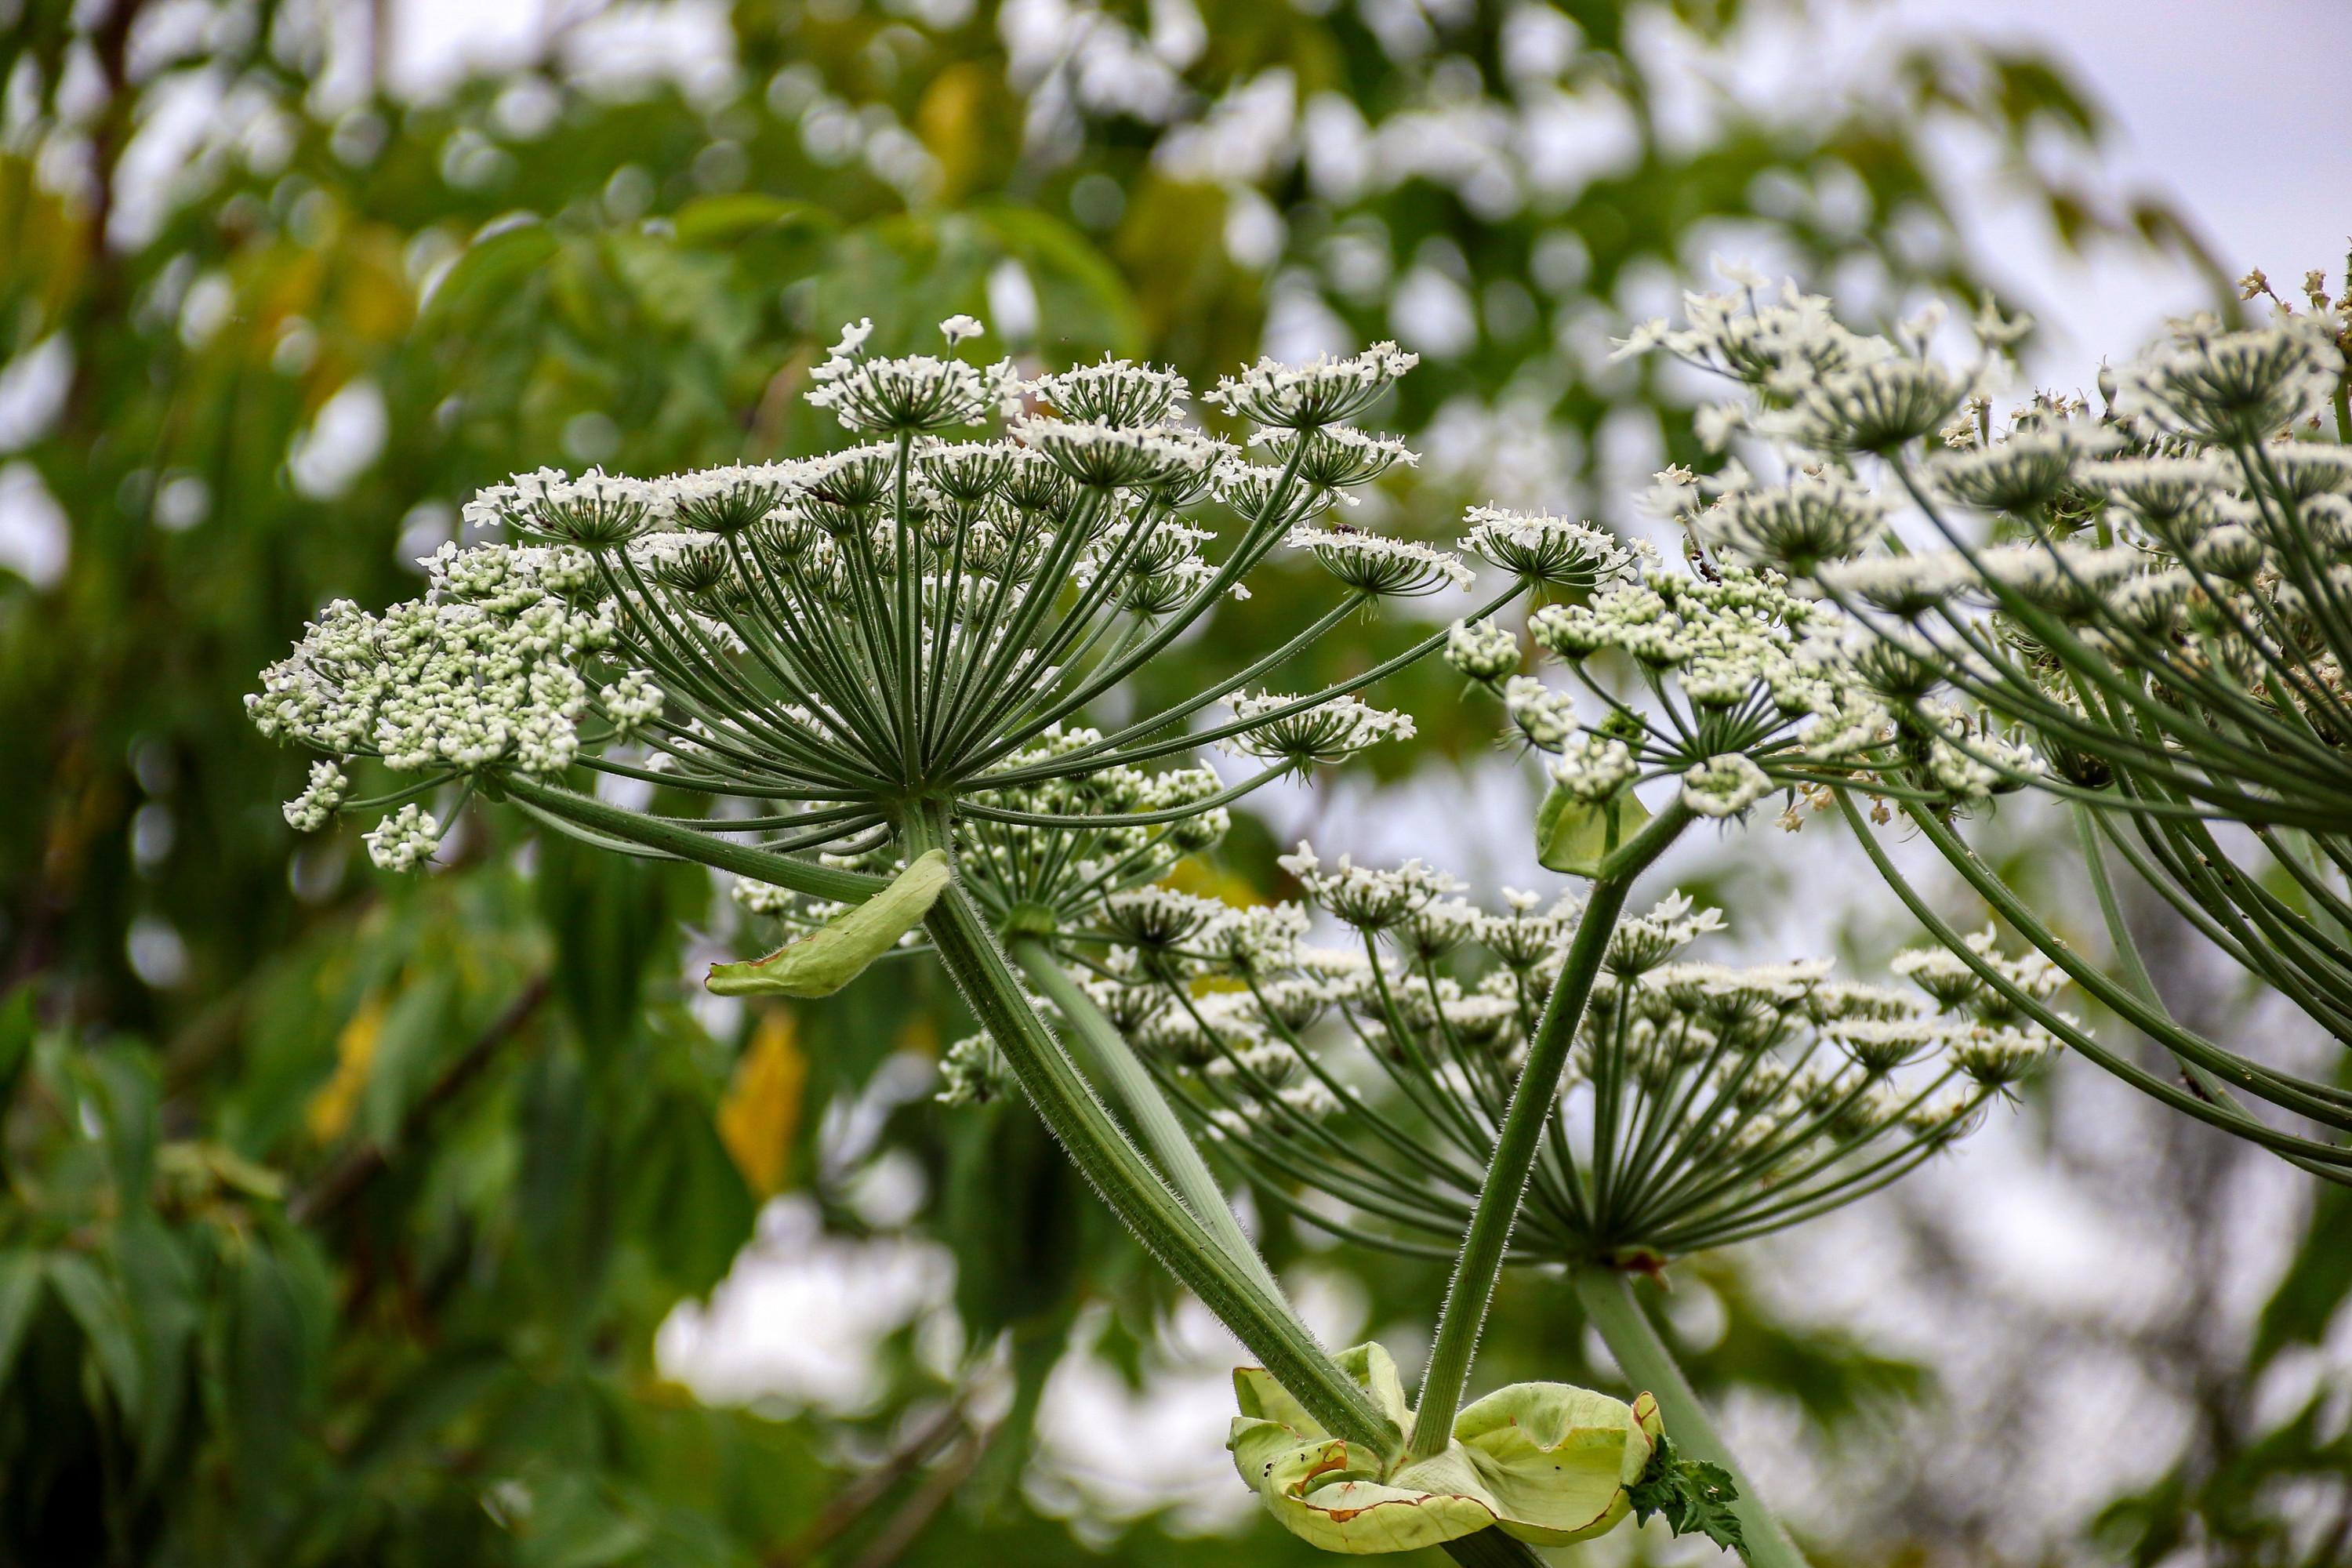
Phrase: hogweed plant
{"type": "Point", "coordinates": [2153, 593]}
{"type": "Point", "coordinates": [878, 672]}
{"type": "Point", "coordinates": [1559, 1085]}
{"type": "Point", "coordinates": [875, 669]}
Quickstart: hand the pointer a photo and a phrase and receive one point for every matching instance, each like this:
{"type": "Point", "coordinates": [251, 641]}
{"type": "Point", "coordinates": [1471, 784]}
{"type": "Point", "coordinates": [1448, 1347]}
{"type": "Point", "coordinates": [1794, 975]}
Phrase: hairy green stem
{"type": "Point", "coordinates": [694, 844]}
{"type": "Point", "coordinates": [1109, 1060]}
{"type": "Point", "coordinates": [1608, 1298]}
{"type": "Point", "coordinates": [1518, 1139]}
{"type": "Point", "coordinates": [1119, 1175]}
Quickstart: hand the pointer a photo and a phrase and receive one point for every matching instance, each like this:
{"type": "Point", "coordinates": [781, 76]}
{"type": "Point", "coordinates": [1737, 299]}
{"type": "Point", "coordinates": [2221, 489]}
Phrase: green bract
{"type": "Point", "coordinates": [837, 951]}
{"type": "Point", "coordinates": [1546, 1463]}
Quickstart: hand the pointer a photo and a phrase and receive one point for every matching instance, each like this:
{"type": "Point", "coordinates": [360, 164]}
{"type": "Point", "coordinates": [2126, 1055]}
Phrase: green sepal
{"type": "Point", "coordinates": [1575, 836]}
{"type": "Point", "coordinates": [837, 951]}
{"type": "Point", "coordinates": [1693, 1498]}
{"type": "Point", "coordinates": [1545, 1463]}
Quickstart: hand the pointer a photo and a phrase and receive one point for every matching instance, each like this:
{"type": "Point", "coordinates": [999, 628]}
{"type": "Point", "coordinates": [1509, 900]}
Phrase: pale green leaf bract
{"type": "Point", "coordinates": [1575, 836]}
{"type": "Point", "coordinates": [838, 953]}
{"type": "Point", "coordinates": [1545, 1463]}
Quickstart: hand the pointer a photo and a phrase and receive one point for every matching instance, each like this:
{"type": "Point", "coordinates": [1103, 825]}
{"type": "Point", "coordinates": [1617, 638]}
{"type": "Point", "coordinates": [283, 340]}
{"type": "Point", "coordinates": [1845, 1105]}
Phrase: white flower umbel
{"type": "Point", "coordinates": [917, 392]}
{"type": "Point", "coordinates": [824, 642]}
{"type": "Point", "coordinates": [404, 840]}
{"type": "Point", "coordinates": [1707, 1103]}
{"type": "Point", "coordinates": [1379, 567]}
{"type": "Point", "coordinates": [1484, 652]}
{"type": "Point", "coordinates": [1540, 548]}
{"type": "Point", "coordinates": [1725, 785]}
{"type": "Point", "coordinates": [1279, 730]}
{"type": "Point", "coordinates": [2144, 608]}
{"type": "Point", "coordinates": [1325, 390]}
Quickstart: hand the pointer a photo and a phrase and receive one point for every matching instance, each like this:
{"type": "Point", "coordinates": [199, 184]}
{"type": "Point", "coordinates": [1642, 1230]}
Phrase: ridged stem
{"type": "Point", "coordinates": [1609, 1305]}
{"type": "Point", "coordinates": [1519, 1139]}
{"type": "Point", "coordinates": [1108, 1058]}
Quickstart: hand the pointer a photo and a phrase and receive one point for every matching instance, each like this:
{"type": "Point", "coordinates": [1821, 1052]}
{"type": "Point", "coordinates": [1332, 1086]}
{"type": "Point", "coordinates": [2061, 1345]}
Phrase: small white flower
{"type": "Point", "coordinates": [1325, 390]}
{"type": "Point", "coordinates": [1725, 785]}
{"type": "Point", "coordinates": [1386, 568]}
{"type": "Point", "coordinates": [1592, 768]}
{"type": "Point", "coordinates": [315, 806]}
{"type": "Point", "coordinates": [404, 840]}
{"type": "Point", "coordinates": [1544, 716]}
{"type": "Point", "coordinates": [1486, 652]}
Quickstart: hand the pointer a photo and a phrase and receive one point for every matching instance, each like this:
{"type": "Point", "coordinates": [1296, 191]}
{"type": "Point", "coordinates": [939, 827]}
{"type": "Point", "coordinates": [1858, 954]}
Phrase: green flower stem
{"type": "Point", "coordinates": [1519, 1138]}
{"type": "Point", "coordinates": [1135, 1192]}
{"type": "Point", "coordinates": [2221, 1115]}
{"type": "Point", "coordinates": [1241, 1298]}
{"type": "Point", "coordinates": [1608, 1298]}
{"type": "Point", "coordinates": [1111, 1062]}
{"type": "Point", "coordinates": [692, 844]}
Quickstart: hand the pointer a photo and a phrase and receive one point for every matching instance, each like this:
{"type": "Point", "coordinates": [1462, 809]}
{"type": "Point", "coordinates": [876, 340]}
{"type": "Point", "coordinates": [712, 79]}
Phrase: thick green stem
{"type": "Point", "coordinates": [1519, 1139]}
{"type": "Point", "coordinates": [1609, 1303]}
{"type": "Point", "coordinates": [1120, 1175]}
{"type": "Point", "coordinates": [1109, 1061]}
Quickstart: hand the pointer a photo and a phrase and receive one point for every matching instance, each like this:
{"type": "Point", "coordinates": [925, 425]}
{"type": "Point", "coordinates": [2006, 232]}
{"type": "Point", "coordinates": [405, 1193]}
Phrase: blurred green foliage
{"type": "Point", "coordinates": [340, 1210]}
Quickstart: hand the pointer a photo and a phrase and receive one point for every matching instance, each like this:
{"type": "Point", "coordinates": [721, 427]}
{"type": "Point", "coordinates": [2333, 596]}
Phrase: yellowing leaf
{"type": "Point", "coordinates": [329, 1113]}
{"type": "Point", "coordinates": [949, 119]}
{"type": "Point", "coordinates": [837, 951]}
{"type": "Point", "coordinates": [763, 1107]}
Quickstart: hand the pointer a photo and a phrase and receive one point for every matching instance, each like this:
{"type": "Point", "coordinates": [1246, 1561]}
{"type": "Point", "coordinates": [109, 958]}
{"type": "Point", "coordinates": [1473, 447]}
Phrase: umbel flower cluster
{"type": "Point", "coordinates": [1362, 1084]}
{"type": "Point", "coordinates": [920, 622]}
{"type": "Point", "coordinates": [1722, 677]}
{"type": "Point", "coordinates": [2151, 593]}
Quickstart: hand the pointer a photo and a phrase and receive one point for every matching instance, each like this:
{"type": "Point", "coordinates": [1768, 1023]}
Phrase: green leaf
{"type": "Point", "coordinates": [15, 1043]}
{"type": "Point", "coordinates": [1575, 836]}
{"type": "Point", "coordinates": [270, 1370]}
{"type": "Point", "coordinates": [417, 1030]}
{"type": "Point", "coordinates": [20, 1293]}
{"type": "Point", "coordinates": [1692, 1496]}
{"type": "Point", "coordinates": [722, 220]}
{"type": "Point", "coordinates": [97, 1306]}
{"type": "Point", "coordinates": [491, 272]}
{"type": "Point", "coordinates": [838, 953]}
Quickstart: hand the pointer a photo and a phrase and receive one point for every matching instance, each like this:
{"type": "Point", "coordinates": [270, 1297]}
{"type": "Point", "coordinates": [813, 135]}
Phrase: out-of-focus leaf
{"type": "Point", "coordinates": [609, 915]}
{"type": "Point", "coordinates": [417, 1034]}
{"type": "Point", "coordinates": [1083, 305]}
{"type": "Point", "coordinates": [2317, 1283]}
{"type": "Point", "coordinates": [159, 1293]}
{"type": "Point", "coordinates": [269, 1372]}
{"type": "Point", "coordinates": [491, 271]}
{"type": "Point", "coordinates": [98, 1310]}
{"type": "Point", "coordinates": [15, 1043]}
{"type": "Point", "coordinates": [762, 1108]}
{"type": "Point", "coordinates": [724, 219]}
{"type": "Point", "coordinates": [20, 1293]}
{"type": "Point", "coordinates": [688, 1197]}
{"type": "Point", "coordinates": [574, 1525]}
{"type": "Point", "coordinates": [124, 1082]}
{"type": "Point", "coordinates": [329, 1113]}
{"type": "Point", "coordinates": [425, 1400]}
